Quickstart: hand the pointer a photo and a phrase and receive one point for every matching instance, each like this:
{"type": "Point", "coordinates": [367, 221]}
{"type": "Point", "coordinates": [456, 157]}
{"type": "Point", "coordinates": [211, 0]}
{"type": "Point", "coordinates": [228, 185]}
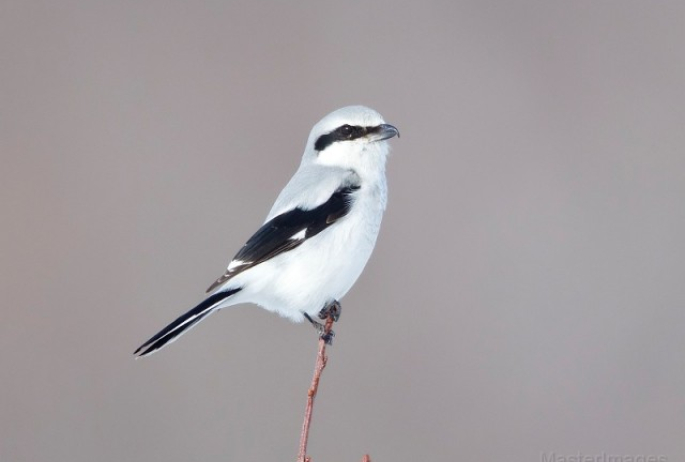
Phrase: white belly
{"type": "Point", "coordinates": [321, 270]}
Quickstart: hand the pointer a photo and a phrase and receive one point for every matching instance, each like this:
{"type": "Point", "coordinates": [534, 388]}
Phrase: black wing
{"type": "Point", "coordinates": [287, 231]}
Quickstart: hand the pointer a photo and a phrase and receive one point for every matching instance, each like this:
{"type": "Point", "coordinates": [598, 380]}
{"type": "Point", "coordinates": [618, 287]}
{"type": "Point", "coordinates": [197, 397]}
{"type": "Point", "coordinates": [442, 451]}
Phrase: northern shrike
{"type": "Point", "coordinates": [319, 233]}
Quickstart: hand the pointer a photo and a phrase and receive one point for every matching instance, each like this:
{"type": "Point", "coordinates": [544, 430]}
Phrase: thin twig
{"type": "Point", "coordinates": [321, 359]}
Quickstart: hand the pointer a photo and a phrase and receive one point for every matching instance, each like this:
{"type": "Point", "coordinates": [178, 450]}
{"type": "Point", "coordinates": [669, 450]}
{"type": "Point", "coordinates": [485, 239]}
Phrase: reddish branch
{"type": "Point", "coordinates": [321, 360]}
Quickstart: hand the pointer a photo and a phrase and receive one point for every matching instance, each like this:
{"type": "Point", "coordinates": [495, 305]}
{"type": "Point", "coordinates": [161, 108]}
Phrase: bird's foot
{"type": "Point", "coordinates": [326, 336]}
{"type": "Point", "coordinates": [332, 310]}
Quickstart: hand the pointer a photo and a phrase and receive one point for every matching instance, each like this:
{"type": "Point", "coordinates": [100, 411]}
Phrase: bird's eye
{"type": "Point", "coordinates": [346, 131]}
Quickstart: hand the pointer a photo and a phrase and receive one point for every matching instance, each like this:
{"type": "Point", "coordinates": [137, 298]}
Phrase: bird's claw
{"type": "Point", "coordinates": [332, 310]}
{"type": "Point", "coordinates": [327, 337]}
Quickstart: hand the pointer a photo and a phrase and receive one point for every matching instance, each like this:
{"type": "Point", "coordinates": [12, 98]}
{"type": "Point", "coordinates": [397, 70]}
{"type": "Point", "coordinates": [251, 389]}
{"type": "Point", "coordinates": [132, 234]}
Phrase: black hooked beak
{"type": "Point", "coordinates": [383, 132]}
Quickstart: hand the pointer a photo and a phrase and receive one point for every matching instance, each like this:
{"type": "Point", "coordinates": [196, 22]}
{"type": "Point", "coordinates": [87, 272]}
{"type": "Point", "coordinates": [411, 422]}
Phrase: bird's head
{"type": "Point", "coordinates": [354, 137]}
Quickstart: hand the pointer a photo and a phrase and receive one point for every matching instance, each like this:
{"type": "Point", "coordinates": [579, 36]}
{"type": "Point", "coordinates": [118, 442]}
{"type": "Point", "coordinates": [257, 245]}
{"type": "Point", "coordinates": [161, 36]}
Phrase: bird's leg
{"type": "Point", "coordinates": [332, 310]}
{"type": "Point", "coordinates": [321, 330]}
{"type": "Point", "coordinates": [317, 325]}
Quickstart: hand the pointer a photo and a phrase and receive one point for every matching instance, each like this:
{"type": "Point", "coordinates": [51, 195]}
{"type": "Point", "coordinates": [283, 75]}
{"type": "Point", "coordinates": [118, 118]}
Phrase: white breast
{"type": "Point", "coordinates": [323, 268]}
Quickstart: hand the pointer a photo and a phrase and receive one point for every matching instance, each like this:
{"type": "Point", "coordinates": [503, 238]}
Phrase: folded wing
{"type": "Point", "coordinates": [287, 231]}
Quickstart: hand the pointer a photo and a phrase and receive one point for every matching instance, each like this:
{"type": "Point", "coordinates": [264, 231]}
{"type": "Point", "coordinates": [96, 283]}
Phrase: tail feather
{"type": "Point", "coordinates": [183, 323]}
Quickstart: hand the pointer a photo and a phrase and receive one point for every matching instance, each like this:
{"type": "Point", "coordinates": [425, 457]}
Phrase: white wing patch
{"type": "Point", "coordinates": [236, 263]}
{"type": "Point", "coordinates": [299, 235]}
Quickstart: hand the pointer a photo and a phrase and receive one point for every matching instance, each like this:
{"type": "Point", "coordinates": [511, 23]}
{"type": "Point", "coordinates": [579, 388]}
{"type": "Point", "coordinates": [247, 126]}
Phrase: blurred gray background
{"type": "Point", "coordinates": [526, 294]}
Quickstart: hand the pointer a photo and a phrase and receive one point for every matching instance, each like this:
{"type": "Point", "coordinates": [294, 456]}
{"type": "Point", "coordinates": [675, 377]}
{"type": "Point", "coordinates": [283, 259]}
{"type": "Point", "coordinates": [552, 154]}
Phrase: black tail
{"type": "Point", "coordinates": [183, 323]}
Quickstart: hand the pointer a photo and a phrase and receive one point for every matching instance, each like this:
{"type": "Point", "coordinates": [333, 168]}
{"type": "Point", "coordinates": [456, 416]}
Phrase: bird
{"type": "Point", "coordinates": [319, 234]}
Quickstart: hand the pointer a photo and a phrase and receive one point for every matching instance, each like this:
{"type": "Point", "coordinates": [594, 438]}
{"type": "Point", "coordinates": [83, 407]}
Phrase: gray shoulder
{"type": "Point", "coordinates": [311, 186]}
